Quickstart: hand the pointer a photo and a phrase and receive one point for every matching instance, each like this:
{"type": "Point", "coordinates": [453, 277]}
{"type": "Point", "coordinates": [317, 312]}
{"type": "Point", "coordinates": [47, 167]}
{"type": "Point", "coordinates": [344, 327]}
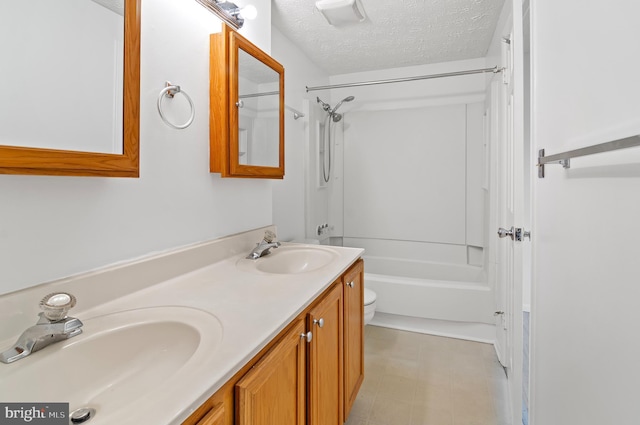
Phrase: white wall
{"type": "Point", "coordinates": [585, 348]}
{"type": "Point", "coordinates": [51, 227]}
{"type": "Point", "coordinates": [289, 194]}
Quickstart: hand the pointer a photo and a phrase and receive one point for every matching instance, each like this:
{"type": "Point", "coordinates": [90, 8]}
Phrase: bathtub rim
{"type": "Point", "coordinates": [479, 273]}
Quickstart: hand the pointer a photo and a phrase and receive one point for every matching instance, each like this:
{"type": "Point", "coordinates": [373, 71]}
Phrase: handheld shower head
{"type": "Point", "coordinates": [332, 112]}
{"type": "Point", "coordinates": [346, 99]}
{"type": "Point", "coordinates": [332, 115]}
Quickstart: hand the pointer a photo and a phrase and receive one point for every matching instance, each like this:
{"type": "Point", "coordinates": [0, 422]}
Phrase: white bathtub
{"type": "Point", "coordinates": [430, 290]}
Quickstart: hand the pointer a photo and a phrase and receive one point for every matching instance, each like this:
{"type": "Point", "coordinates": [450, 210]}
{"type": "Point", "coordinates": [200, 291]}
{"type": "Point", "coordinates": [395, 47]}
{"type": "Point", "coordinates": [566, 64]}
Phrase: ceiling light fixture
{"type": "Point", "coordinates": [230, 12]}
{"type": "Point", "coordinates": [249, 12]}
{"type": "Point", "coordinates": [341, 12]}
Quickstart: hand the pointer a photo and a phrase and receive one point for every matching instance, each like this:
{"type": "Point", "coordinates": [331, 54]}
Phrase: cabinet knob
{"type": "Point", "coordinates": [319, 322]}
{"type": "Point", "coordinates": [350, 284]}
{"type": "Point", "coordinates": [308, 336]}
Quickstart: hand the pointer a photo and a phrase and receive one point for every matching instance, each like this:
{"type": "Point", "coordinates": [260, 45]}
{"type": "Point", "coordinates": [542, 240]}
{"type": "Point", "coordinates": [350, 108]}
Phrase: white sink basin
{"type": "Point", "coordinates": [291, 259]}
{"type": "Point", "coordinates": [124, 364]}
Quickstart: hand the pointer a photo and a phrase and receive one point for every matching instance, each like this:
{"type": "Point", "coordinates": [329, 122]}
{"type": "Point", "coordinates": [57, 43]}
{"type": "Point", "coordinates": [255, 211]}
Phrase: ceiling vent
{"type": "Point", "coordinates": [341, 12]}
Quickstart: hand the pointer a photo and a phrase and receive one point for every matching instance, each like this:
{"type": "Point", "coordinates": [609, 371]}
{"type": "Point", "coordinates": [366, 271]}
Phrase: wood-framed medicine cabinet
{"type": "Point", "coordinates": [246, 122]}
{"type": "Point", "coordinates": [62, 149]}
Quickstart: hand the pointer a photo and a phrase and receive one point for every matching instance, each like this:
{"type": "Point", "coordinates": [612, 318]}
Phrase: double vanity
{"type": "Point", "coordinates": [201, 335]}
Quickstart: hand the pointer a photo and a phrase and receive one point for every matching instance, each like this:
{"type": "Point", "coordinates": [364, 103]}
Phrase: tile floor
{"type": "Point", "coordinates": [418, 379]}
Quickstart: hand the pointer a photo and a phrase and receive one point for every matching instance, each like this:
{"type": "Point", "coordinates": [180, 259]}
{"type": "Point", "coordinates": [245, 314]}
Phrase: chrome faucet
{"type": "Point", "coordinates": [53, 326]}
{"type": "Point", "coordinates": [264, 246]}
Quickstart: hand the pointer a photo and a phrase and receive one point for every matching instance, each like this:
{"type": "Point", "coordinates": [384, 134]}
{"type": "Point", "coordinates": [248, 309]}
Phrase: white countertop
{"type": "Point", "coordinates": [252, 308]}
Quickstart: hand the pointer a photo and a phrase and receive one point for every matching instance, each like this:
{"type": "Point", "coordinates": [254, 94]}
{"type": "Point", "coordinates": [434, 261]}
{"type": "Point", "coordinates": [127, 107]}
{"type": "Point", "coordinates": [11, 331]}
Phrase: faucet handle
{"type": "Point", "coordinates": [269, 236]}
{"type": "Point", "coordinates": [56, 305]}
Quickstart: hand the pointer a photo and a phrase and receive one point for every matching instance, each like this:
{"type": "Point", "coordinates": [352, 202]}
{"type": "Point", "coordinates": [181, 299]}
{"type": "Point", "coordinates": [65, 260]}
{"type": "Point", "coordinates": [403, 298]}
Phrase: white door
{"type": "Point", "coordinates": [509, 259]}
{"type": "Point", "coordinates": [497, 114]}
{"type": "Point", "coordinates": [510, 214]}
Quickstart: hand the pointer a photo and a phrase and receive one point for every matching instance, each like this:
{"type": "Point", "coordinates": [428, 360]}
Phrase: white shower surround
{"type": "Point", "coordinates": [411, 160]}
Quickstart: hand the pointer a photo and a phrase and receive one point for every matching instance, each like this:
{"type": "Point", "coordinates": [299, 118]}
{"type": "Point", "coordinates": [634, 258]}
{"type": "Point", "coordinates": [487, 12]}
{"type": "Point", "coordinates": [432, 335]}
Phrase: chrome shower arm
{"type": "Point", "coordinates": [325, 106]}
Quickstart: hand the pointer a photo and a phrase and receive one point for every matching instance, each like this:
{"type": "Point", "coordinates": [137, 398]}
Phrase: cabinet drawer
{"type": "Point", "coordinates": [214, 417]}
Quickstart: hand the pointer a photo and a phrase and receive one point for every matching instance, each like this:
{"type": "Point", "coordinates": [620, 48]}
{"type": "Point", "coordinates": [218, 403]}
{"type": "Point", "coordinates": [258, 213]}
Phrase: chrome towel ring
{"type": "Point", "coordinates": [170, 91]}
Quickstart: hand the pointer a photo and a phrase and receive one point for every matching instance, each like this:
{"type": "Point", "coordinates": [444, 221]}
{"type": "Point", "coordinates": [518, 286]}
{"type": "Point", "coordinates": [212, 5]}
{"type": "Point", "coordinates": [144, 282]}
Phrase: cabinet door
{"type": "Point", "coordinates": [273, 392]}
{"type": "Point", "coordinates": [214, 417]}
{"type": "Point", "coordinates": [326, 362]}
{"type": "Point", "coordinates": [353, 282]}
{"type": "Point", "coordinates": [239, 73]}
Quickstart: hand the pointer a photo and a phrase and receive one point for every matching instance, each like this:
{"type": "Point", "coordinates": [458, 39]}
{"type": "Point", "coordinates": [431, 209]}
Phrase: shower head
{"type": "Point", "coordinates": [332, 112]}
{"type": "Point", "coordinates": [346, 99]}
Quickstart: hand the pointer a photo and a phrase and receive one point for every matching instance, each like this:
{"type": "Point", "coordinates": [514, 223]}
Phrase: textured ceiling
{"type": "Point", "coordinates": [395, 34]}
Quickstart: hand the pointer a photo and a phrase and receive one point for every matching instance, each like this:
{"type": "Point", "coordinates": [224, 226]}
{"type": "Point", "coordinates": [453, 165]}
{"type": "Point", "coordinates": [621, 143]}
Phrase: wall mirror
{"type": "Point", "coordinates": [72, 104]}
{"type": "Point", "coordinates": [247, 109]}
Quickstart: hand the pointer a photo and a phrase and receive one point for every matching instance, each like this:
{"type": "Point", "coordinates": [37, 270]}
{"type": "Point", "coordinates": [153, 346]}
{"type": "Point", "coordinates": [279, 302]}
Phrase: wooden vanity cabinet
{"type": "Point", "coordinates": [353, 285]}
{"type": "Point", "coordinates": [309, 374]}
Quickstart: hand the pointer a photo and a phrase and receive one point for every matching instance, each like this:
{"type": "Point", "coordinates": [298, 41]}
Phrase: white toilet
{"type": "Point", "coordinates": [369, 305]}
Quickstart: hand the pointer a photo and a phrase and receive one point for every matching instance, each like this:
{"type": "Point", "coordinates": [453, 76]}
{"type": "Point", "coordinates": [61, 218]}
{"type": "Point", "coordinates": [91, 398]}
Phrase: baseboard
{"type": "Point", "coordinates": [478, 332]}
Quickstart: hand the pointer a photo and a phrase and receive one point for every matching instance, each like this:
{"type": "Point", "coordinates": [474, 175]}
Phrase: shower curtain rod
{"type": "Point", "coordinates": [266, 93]}
{"type": "Point", "coordinates": [495, 70]}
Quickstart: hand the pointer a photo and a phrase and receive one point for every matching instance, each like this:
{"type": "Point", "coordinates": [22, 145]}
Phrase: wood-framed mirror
{"type": "Point", "coordinates": [247, 109]}
{"type": "Point", "coordinates": [123, 111]}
